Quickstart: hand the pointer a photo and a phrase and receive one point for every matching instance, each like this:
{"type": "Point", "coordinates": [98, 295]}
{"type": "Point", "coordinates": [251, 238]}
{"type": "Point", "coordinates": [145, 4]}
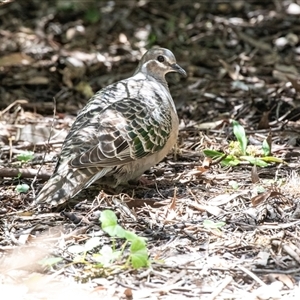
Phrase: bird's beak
{"type": "Point", "coordinates": [179, 70]}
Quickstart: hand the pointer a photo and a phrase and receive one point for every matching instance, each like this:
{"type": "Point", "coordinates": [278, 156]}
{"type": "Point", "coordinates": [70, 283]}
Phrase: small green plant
{"type": "Point", "coordinates": [240, 135]}
{"type": "Point", "coordinates": [50, 261]}
{"type": "Point", "coordinates": [108, 256]}
{"type": "Point", "coordinates": [22, 188]}
{"type": "Point", "coordinates": [239, 151]}
{"type": "Point", "coordinates": [266, 148]}
{"type": "Point", "coordinates": [25, 156]}
{"type": "Point", "coordinates": [92, 15]}
{"type": "Point", "coordinates": [260, 189]}
{"type": "Point", "coordinates": [208, 224]}
{"type": "Point", "coordinates": [138, 253]}
{"type": "Point", "coordinates": [233, 184]}
{"type": "Point", "coordinates": [152, 38]}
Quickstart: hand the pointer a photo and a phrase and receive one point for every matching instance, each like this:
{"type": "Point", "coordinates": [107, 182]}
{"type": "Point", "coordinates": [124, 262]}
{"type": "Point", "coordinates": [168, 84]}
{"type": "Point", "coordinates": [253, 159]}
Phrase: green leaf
{"type": "Point", "coordinates": [22, 188]}
{"type": "Point", "coordinates": [151, 39]}
{"type": "Point", "coordinates": [65, 5]}
{"type": "Point", "coordinates": [80, 259]}
{"type": "Point", "coordinates": [138, 250]}
{"type": "Point", "coordinates": [254, 161]}
{"type": "Point", "coordinates": [130, 236]}
{"type": "Point", "coordinates": [50, 261]}
{"type": "Point", "coordinates": [230, 161]}
{"type": "Point", "coordinates": [266, 148]}
{"type": "Point", "coordinates": [272, 159]}
{"type": "Point", "coordinates": [25, 156]}
{"type": "Point", "coordinates": [106, 256]}
{"type": "Point", "coordinates": [108, 251]}
{"type": "Point", "coordinates": [116, 231]}
{"type": "Point", "coordinates": [240, 135]}
{"type": "Point", "coordinates": [109, 224]}
{"type": "Point", "coordinates": [212, 153]}
{"type": "Point", "coordinates": [92, 15]}
{"type": "Point", "coordinates": [234, 184]}
{"type": "Point", "coordinates": [139, 254]}
{"type": "Point", "coordinates": [260, 189]}
{"type": "Point", "coordinates": [212, 225]}
{"type": "Point", "coordinates": [108, 218]}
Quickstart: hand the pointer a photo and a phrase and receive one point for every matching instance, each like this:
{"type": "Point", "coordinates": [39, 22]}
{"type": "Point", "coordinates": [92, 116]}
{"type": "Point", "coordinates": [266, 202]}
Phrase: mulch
{"type": "Point", "coordinates": [213, 231]}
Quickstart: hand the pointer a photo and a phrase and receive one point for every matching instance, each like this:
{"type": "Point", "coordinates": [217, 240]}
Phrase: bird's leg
{"type": "Point", "coordinates": [142, 181]}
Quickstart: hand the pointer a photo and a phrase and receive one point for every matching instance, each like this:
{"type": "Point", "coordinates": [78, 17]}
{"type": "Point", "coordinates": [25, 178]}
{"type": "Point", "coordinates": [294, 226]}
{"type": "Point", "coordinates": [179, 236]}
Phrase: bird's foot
{"type": "Point", "coordinates": [141, 182]}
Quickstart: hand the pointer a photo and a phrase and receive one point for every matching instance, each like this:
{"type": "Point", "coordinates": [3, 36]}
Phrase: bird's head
{"type": "Point", "coordinates": [157, 62]}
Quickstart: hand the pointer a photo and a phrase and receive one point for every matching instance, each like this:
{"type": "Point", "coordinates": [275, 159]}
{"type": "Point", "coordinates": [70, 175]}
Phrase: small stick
{"type": "Point", "coordinates": [24, 173]}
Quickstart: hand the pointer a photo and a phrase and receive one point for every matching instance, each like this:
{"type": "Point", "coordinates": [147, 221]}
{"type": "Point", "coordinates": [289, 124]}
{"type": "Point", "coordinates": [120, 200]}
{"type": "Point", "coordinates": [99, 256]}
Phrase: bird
{"type": "Point", "coordinates": [124, 129]}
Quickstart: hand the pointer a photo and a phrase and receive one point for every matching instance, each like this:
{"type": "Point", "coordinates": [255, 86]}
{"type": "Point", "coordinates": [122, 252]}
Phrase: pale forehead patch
{"type": "Point", "coordinates": [153, 66]}
{"type": "Point", "coordinates": [153, 53]}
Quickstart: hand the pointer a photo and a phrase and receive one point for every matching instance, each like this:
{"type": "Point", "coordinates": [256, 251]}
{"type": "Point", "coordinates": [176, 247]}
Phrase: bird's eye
{"type": "Point", "coordinates": [160, 58]}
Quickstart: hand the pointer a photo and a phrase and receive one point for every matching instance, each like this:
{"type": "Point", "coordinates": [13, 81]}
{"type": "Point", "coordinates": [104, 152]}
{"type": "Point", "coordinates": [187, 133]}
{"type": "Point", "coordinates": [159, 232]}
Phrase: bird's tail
{"type": "Point", "coordinates": [65, 184]}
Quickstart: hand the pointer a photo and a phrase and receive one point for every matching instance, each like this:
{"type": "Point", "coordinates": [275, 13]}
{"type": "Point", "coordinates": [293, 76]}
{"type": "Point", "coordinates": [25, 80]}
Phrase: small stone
{"type": "Point", "coordinates": [293, 9]}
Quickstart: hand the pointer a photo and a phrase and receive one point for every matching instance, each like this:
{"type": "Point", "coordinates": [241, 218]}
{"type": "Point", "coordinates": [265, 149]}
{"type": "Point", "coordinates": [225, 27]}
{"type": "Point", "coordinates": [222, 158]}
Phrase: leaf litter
{"type": "Point", "coordinates": [213, 231]}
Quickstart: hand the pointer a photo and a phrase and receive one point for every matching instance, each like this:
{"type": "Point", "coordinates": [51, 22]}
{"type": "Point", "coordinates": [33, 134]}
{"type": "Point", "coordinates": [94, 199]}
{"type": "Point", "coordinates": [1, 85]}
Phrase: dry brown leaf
{"type": "Point", "coordinates": [262, 258]}
{"type": "Point", "coordinates": [37, 80]}
{"type": "Point", "coordinates": [128, 293]}
{"type": "Point", "coordinates": [142, 202]}
{"type": "Point", "coordinates": [21, 101]}
{"type": "Point", "coordinates": [279, 75]}
{"type": "Point", "coordinates": [254, 175]}
{"type": "Point", "coordinates": [260, 198]}
{"type": "Point", "coordinates": [200, 170]}
{"type": "Point", "coordinates": [292, 251]}
{"type": "Point", "coordinates": [210, 125]}
{"type": "Point", "coordinates": [205, 166]}
{"type": "Point", "coordinates": [170, 215]}
{"type": "Point", "coordinates": [294, 81]}
{"type": "Point", "coordinates": [264, 121]}
{"type": "Point", "coordinates": [24, 238]}
{"type": "Point", "coordinates": [216, 232]}
{"type": "Point", "coordinates": [206, 163]}
{"type": "Point", "coordinates": [287, 73]}
{"type": "Point", "coordinates": [263, 197]}
{"type": "Point", "coordinates": [271, 291]}
{"type": "Point", "coordinates": [224, 198]}
{"type": "Point", "coordinates": [234, 73]}
{"type": "Point", "coordinates": [269, 141]}
{"type": "Point", "coordinates": [286, 69]}
{"type": "Point", "coordinates": [173, 202]}
{"type": "Point", "coordinates": [286, 279]}
{"type": "Point", "coordinates": [213, 210]}
{"type": "Point", "coordinates": [15, 59]}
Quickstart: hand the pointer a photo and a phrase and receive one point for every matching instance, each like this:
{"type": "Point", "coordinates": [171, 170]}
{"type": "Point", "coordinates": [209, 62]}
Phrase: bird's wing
{"type": "Point", "coordinates": [124, 131]}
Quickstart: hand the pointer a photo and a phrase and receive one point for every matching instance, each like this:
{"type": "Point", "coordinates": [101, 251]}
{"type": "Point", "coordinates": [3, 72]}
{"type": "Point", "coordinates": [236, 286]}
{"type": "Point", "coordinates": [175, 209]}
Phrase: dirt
{"type": "Point", "coordinates": [214, 231]}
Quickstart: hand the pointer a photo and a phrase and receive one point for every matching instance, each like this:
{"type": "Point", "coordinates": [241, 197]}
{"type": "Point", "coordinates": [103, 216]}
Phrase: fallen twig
{"type": "Point", "coordinates": [24, 173]}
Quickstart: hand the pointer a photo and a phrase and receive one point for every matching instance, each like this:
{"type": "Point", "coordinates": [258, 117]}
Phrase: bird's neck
{"type": "Point", "coordinates": [162, 81]}
{"type": "Point", "coordinates": [152, 71]}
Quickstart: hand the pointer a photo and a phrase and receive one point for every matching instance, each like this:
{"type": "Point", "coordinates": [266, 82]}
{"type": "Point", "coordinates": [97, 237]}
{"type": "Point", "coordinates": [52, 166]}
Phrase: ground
{"type": "Point", "coordinates": [219, 225]}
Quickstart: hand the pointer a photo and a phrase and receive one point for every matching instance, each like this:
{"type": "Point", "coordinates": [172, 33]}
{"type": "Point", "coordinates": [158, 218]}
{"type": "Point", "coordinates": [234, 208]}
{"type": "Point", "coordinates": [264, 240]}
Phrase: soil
{"type": "Point", "coordinates": [219, 225]}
